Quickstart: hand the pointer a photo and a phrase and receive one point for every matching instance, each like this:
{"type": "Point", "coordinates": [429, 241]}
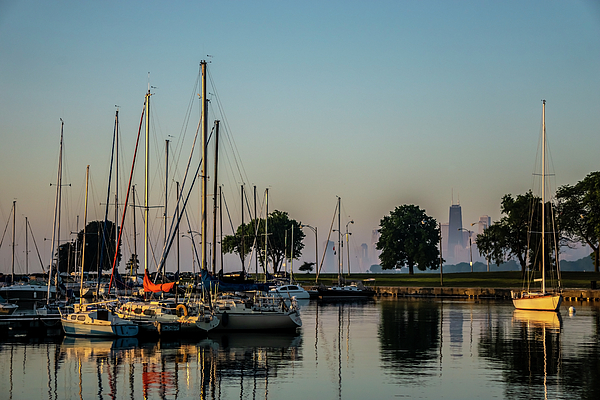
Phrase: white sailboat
{"type": "Point", "coordinates": [96, 320]}
{"type": "Point", "coordinates": [542, 300]}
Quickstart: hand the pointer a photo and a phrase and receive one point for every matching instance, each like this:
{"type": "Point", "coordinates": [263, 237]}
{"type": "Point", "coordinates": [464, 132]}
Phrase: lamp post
{"type": "Point", "coordinates": [194, 251]}
{"type": "Point", "coordinates": [314, 229]}
{"type": "Point", "coordinates": [470, 249]}
{"type": "Point", "coordinates": [348, 244]}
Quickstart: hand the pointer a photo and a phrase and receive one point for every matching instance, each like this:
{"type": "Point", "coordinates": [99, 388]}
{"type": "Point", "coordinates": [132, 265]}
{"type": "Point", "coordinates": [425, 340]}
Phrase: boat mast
{"type": "Point", "coordinates": [12, 280]}
{"type": "Point", "coordinates": [56, 207]}
{"type": "Point", "coordinates": [26, 248]}
{"type": "Point", "coordinates": [214, 244]}
{"type": "Point", "coordinates": [339, 252]}
{"type": "Point", "coordinates": [543, 196]}
{"type": "Point", "coordinates": [146, 178]}
{"type": "Point", "coordinates": [266, 232]}
{"type": "Point", "coordinates": [204, 119]}
{"type": "Point", "coordinates": [166, 193]}
{"type": "Point", "coordinates": [87, 174]}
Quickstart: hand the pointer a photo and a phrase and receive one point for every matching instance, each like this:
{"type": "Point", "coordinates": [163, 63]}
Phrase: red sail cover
{"type": "Point", "coordinates": [154, 288]}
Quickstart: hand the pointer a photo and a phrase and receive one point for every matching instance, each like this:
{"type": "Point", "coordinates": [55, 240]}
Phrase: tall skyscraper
{"type": "Point", "coordinates": [484, 222]}
{"type": "Point", "coordinates": [455, 234]}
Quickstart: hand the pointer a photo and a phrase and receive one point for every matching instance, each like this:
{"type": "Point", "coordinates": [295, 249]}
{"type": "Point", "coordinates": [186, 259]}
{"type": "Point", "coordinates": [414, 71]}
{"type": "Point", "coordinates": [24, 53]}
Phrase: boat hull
{"type": "Point", "coordinates": [538, 301]}
{"type": "Point", "coordinates": [96, 330]}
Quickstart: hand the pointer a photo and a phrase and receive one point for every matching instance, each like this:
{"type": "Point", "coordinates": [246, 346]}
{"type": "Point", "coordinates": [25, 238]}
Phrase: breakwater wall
{"type": "Point", "coordinates": [476, 293]}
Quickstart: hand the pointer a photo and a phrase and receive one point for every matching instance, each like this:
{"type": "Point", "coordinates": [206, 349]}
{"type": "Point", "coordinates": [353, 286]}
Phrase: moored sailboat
{"type": "Point", "coordinates": [542, 300]}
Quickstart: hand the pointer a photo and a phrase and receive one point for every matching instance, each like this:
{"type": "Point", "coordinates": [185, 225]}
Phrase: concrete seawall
{"type": "Point", "coordinates": [475, 293]}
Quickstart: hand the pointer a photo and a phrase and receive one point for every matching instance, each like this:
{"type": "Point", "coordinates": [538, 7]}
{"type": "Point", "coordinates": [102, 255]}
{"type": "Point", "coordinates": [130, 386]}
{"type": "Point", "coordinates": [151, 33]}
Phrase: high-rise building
{"type": "Point", "coordinates": [455, 234]}
{"type": "Point", "coordinates": [484, 222]}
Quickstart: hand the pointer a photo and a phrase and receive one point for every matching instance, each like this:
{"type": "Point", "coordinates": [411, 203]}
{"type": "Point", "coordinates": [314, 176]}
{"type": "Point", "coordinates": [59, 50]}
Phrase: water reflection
{"type": "Point", "coordinates": [409, 335]}
{"type": "Point", "coordinates": [407, 348]}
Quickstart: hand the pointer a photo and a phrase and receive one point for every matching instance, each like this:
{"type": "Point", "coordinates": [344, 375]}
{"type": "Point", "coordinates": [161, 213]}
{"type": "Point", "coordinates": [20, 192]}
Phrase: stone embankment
{"type": "Point", "coordinates": [476, 293]}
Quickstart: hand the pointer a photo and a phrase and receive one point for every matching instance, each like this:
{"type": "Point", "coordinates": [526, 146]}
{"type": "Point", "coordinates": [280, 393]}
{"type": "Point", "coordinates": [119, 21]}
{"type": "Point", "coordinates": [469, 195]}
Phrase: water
{"type": "Point", "coordinates": [385, 349]}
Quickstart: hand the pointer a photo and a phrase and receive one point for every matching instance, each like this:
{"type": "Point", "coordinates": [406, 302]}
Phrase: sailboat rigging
{"type": "Point", "coordinates": [543, 300]}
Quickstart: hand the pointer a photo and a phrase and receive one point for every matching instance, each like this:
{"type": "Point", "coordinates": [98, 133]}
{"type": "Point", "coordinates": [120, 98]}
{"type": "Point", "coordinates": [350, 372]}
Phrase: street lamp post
{"type": "Point", "coordinates": [348, 244]}
{"type": "Point", "coordinates": [314, 229]}
{"type": "Point", "coordinates": [470, 248]}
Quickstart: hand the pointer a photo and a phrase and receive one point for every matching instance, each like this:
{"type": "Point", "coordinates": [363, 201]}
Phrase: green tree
{"type": "Point", "coordinates": [280, 244]}
{"type": "Point", "coordinates": [67, 257]}
{"type": "Point", "coordinates": [307, 266]}
{"type": "Point", "coordinates": [518, 233]}
{"type": "Point", "coordinates": [409, 237]}
{"type": "Point", "coordinates": [579, 213]}
{"type": "Point", "coordinates": [133, 264]}
{"type": "Point", "coordinates": [94, 249]}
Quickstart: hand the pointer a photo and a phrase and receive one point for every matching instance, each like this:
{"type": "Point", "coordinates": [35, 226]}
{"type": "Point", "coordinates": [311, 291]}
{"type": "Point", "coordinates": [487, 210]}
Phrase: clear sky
{"type": "Point", "coordinates": [382, 103]}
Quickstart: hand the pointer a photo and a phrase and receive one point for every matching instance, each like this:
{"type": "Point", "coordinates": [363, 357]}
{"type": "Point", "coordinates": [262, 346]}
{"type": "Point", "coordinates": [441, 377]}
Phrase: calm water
{"type": "Point", "coordinates": [387, 349]}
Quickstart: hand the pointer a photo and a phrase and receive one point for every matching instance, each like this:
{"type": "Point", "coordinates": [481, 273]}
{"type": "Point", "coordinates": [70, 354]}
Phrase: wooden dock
{"type": "Point", "coordinates": [30, 325]}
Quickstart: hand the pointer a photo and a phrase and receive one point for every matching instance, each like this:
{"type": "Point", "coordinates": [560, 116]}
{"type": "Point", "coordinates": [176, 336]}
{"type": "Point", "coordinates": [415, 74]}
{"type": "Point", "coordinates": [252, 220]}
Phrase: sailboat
{"type": "Point", "coordinates": [354, 291]}
{"type": "Point", "coordinates": [94, 319]}
{"type": "Point", "coordinates": [542, 300]}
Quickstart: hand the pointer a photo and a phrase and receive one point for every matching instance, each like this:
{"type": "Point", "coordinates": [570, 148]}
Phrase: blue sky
{"type": "Point", "coordinates": [381, 103]}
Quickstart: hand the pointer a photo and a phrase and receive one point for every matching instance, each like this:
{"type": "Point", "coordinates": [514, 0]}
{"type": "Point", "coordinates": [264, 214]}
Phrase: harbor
{"type": "Point", "coordinates": [382, 348]}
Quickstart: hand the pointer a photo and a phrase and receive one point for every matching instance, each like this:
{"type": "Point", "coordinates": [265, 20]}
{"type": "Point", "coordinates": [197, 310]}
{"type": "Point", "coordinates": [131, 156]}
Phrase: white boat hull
{"type": "Point", "coordinates": [95, 330]}
{"type": "Point", "coordinates": [97, 323]}
{"type": "Point", "coordinates": [538, 301]}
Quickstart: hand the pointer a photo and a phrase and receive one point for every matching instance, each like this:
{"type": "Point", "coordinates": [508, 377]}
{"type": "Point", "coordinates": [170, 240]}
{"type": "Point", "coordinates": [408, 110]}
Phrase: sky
{"type": "Point", "coordinates": [381, 103]}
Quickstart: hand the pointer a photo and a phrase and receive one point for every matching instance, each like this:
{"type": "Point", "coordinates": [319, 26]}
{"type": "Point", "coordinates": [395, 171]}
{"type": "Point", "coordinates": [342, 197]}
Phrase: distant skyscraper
{"type": "Point", "coordinates": [375, 253]}
{"type": "Point", "coordinates": [455, 234]}
{"type": "Point", "coordinates": [484, 222]}
{"type": "Point", "coordinates": [364, 257]}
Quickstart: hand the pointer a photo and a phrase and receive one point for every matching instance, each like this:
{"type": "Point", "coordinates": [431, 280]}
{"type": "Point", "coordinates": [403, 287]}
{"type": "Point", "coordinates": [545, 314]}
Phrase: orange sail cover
{"type": "Point", "coordinates": [155, 288]}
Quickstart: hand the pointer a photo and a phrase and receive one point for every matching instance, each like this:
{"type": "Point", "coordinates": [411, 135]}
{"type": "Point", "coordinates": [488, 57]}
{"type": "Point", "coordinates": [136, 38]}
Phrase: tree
{"type": "Point", "coordinates": [579, 213]}
{"type": "Point", "coordinates": [94, 250]}
{"type": "Point", "coordinates": [517, 234]}
{"type": "Point", "coordinates": [280, 244]}
{"type": "Point", "coordinates": [67, 257]}
{"type": "Point", "coordinates": [133, 264]}
{"type": "Point", "coordinates": [409, 237]}
{"type": "Point", "coordinates": [307, 266]}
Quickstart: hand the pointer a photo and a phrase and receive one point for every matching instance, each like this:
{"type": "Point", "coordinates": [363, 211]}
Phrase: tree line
{"type": "Point", "coordinates": [408, 237]}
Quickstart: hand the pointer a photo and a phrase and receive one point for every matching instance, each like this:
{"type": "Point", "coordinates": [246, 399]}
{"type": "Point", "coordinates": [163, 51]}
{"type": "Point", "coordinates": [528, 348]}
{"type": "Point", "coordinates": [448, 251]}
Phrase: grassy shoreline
{"type": "Point", "coordinates": [509, 279]}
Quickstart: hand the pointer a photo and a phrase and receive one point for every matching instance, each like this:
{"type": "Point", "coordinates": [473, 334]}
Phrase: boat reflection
{"type": "Point", "coordinates": [224, 365]}
{"type": "Point", "coordinates": [550, 320]}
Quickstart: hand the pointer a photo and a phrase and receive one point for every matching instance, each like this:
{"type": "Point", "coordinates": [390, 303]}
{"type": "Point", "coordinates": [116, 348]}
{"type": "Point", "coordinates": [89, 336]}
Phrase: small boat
{"type": "Point", "coordinates": [289, 291]}
{"type": "Point", "coordinates": [7, 308]}
{"type": "Point", "coordinates": [166, 316]}
{"type": "Point", "coordinates": [92, 320]}
{"type": "Point", "coordinates": [258, 314]}
{"type": "Point", "coordinates": [542, 300]}
{"type": "Point", "coordinates": [349, 292]}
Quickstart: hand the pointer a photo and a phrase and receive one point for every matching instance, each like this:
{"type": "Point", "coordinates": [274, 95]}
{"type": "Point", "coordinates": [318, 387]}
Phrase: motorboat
{"type": "Point", "coordinates": [260, 313]}
{"type": "Point", "coordinates": [289, 291]}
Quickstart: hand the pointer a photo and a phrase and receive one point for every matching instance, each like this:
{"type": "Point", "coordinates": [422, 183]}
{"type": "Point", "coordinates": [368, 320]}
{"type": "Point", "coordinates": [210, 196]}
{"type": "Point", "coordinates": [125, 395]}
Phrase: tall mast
{"type": "Point", "coordinates": [117, 177]}
{"type": "Point", "coordinates": [87, 174]}
{"type": "Point", "coordinates": [146, 178]}
{"type": "Point", "coordinates": [543, 196]}
{"type": "Point", "coordinates": [165, 215]}
{"type": "Point", "coordinates": [26, 248]}
{"type": "Point", "coordinates": [204, 159]}
{"type": "Point", "coordinates": [339, 252]}
{"type": "Point", "coordinates": [214, 244]}
{"type": "Point", "coordinates": [242, 253]}
{"type": "Point", "coordinates": [13, 243]}
{"type": "Point", "coordinates": [266, 231]}
{"type": "Point", "coordinates": [56, 209]}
